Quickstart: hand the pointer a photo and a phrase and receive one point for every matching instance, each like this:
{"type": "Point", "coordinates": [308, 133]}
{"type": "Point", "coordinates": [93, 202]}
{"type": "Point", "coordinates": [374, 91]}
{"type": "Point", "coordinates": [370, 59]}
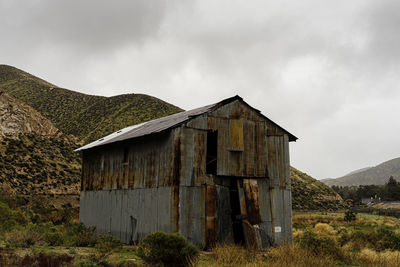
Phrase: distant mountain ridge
{"type": "Point", "coordinates": [88, 117]}
{"type": "Point", "coordinates": [358, 171]}
{"type": "Point", "coordinates": [377, 175]}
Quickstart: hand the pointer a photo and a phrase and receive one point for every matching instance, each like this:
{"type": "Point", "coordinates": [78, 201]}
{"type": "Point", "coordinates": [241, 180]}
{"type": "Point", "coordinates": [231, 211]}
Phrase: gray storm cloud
{"type": "Point", "coordinates": [326, 70]}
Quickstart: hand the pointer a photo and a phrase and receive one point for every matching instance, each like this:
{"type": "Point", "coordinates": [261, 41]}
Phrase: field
{"type": "Point", "coordinates": [320, 239]}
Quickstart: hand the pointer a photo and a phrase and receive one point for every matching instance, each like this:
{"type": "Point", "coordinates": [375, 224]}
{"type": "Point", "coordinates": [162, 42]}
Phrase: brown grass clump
{"type": "Point", "coordinates": [233, 255]}
{"type": "Point", "coordinates": [324, 229]}
{"type": "Point", "coordinates": [369, 257]}
{"type": "Point", "coordinates": [285, 255]}
{"type": "Point", "coordinates": [293, 255]}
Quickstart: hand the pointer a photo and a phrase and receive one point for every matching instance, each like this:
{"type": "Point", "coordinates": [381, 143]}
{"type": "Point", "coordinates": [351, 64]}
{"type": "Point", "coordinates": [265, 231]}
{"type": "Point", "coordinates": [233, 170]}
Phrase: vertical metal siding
{"type": "Point", "coordinates": [111, 211]}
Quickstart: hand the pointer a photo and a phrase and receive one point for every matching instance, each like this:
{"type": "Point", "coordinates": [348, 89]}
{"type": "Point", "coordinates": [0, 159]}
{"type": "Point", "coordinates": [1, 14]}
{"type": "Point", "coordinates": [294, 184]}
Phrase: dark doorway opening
{"type": "Point", "coordinates": [237, 217]}
{"type": "Point", "coordinates": [212, 148]}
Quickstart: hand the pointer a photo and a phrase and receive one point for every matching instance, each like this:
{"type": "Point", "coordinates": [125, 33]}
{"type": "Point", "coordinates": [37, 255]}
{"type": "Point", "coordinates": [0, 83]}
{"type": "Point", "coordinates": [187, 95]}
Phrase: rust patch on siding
{"type": "Point", "coordinates": [200, 158]}
{"type": "Point", "coordinates": [176, 180]}
{"type": "Point", "coordinates": [236, 140]}
{"type": "Point", "coordinates": [252, 204]}
{"type": "Point", "coordinates": [211, 216]}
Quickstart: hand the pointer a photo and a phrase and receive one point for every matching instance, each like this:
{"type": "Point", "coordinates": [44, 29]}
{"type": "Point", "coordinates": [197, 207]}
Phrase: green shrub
{"type": "Point", "coordinates": [320, 245]}
{"type": "Point", "coordinates": [106, 243]}
{"type": "Point", "coordinates": [387, 239]}
{"type": "Point", "coordinates": [77, 234]}
{"type": "Point", "coordinates": [53, 238]}
{"type": "Point", "coordinates": [379, 240]}
{"type": "Point", "coordinates": [349, 216]}
{"type": "Point", "coordinates": [10, 218]}
{"type": "Point", "coordinates": [164, 249]}
{"type": "Point", "coordinates": [22, 238]}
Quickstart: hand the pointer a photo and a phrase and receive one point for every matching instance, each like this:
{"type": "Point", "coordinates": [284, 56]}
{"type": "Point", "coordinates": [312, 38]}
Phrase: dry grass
{"type": "Point", "coordinates": [368, 257]}
{"type": "Point", "coordinates": [293, 255]}
{"type": "Point", "coordinates": [324, 229]}
{"type": "Point", "coordinates": [233, 255]}
{"type": "Point", "coordinates": [286, 255]}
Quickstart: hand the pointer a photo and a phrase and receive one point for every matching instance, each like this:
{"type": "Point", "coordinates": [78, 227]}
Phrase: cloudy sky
{"type": "Point", "coordinates": [327, 71]}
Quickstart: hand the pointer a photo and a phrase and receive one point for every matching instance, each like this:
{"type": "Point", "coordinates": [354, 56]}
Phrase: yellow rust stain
{"type": "Point", "coordinates": [236, 140]}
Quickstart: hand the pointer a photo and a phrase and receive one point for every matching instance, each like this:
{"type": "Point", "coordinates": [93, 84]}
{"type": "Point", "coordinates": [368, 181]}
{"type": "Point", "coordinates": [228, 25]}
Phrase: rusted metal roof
{"type": "Point", "coordinates": [164, 123]}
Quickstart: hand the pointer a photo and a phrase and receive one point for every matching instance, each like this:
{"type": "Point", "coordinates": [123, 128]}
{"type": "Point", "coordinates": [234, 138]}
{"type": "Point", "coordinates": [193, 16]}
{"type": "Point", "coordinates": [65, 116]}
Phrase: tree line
{"type": "Point", "coordinates": [387, 192]}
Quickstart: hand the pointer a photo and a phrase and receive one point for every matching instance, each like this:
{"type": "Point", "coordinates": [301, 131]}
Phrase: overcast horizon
{"type": "Point", "coordinates": [326, 71]}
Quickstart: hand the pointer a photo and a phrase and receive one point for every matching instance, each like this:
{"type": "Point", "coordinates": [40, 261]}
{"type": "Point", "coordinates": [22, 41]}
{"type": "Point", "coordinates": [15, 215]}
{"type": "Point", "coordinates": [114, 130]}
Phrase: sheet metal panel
{"type": "Point", "coordinates": [287, 161]}
{"type": "Point", "coordinates": [187, 157]}
{"type": "Point", "coordinates": [165, 220]}
{"type": "Point", "coordinates": [224, 220]}
{"type": "Point", "coordinates": [149, 165]}
{"type": "Point", "coordinates": [265, 213]}
{"type": "Point", "coordinates": [192, 214]}
{"type": "Point", "coordinates": [114, 211]}
{"type": "Point", "coordinates": [287, 202]}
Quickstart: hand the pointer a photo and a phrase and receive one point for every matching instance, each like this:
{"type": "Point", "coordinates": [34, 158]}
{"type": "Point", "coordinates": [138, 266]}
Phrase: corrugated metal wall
{"type": "Point", "coordinates": [128, 214]}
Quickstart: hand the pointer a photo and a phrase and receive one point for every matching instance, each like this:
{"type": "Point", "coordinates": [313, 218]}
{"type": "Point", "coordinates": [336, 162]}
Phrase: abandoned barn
{"type": "Point", "coordinates": [218, 173]}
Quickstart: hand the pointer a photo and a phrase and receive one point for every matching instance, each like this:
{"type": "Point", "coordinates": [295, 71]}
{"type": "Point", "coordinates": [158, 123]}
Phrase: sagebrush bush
{"type": "Point", "coordinates": [387, 239]}
{"type": "Point", "coordinates": [164, 249]}
{"type": "Point", "coordinates": [10, 218]}
{"type": "Point", "coordinates": [53, 238]}
{"type": "Point", "coordinates": [349, 216]}
{"type": "Point", "coordinates": [107, 243]}
{"type": "Point", "coordinates": [79, 235]}
{"type": "Point", "coordinates": [379, 240]}
{"type": "Point", "coordinates": [320, 245]}
{"type": "Point", "coordinates": [22, 238]}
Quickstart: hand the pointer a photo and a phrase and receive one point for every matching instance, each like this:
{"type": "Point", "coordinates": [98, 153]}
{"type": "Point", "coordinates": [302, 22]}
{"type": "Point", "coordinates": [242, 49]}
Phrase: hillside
{"type": "Point", "coordinates": [377, 175]}
{"type": "Point", "coordinates": [36, 159]}
{"type": "Point", "coordinates": [88, 117]}
{"type": "Point", "coordinates": [33, 164]}
{"type": "Point", "coordinates": [310, 194]}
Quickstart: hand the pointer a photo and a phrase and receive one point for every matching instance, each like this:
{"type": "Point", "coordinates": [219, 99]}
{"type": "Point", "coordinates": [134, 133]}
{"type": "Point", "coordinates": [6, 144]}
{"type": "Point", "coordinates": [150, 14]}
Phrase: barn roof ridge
{"type": "Point", "coordinates": [168, 122]}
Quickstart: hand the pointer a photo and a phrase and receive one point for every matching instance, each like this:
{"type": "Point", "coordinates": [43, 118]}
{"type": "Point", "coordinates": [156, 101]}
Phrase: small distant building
{"type": "Point", "coordinates": [215, 174]}
{"type": "Point", "coordinates": [366, 200]}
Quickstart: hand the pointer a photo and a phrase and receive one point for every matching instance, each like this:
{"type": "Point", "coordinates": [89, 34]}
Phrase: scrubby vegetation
{"type": "Point", "coordinates": [36, 164]}
{"type": "Point", "coordinates": [23, 231]}
{"type": "Point", "coordinates": [320, 239]}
